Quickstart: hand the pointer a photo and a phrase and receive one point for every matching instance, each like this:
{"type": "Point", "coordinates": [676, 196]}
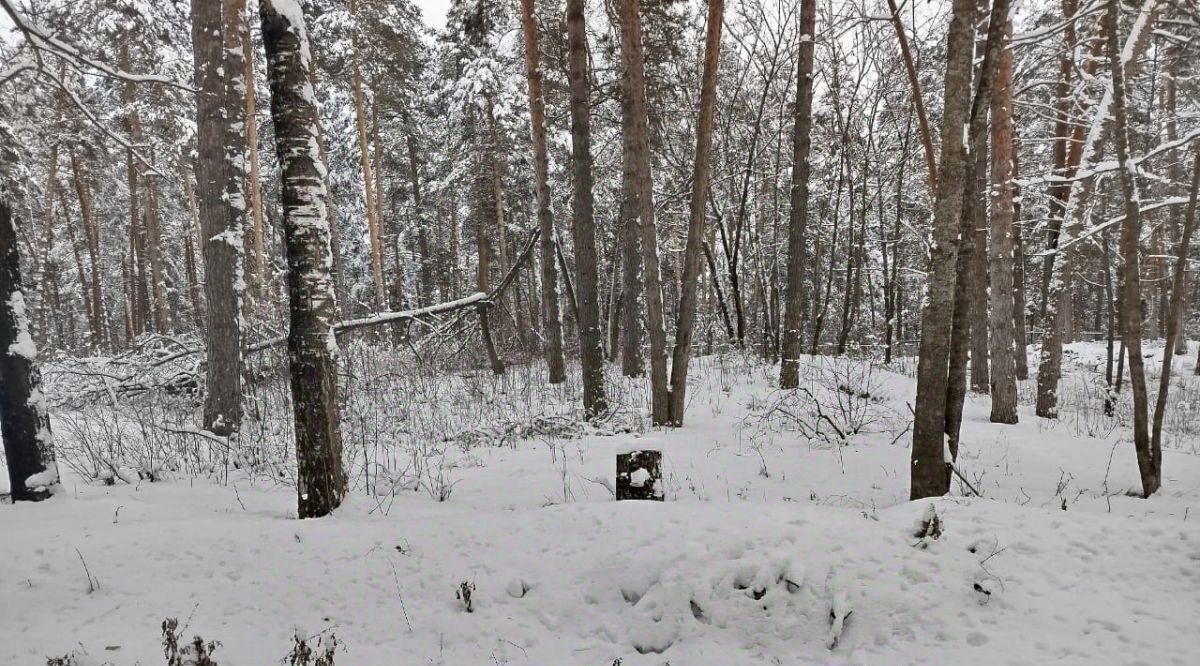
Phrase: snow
{"type": "Point", "coordinates": [639, 477]}
{"type": "Point", "coordinates": [772, 547]}
{"type": "Point", "coordinates": [23, 346]}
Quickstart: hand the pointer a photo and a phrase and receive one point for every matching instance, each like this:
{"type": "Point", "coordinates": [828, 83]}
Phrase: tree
{"type": "Point", "coordinates": [631, 49]}
{"type": "Point", "coordinates": [928, 473]}
{"type": "Point", "coordinates": [583, 230]}
{"type": "Point", "coordinates": [220, 180]}
{"type": "Point", "coordinates": [312, 347]}
{"type": "Point", "coordinates": [1000, 265]}
{"type": "Point", "coordinates": [24, 422]}
{"type": "Point", "coordinates": [688, 298]}
{"type": "Point", "coordinates": [1131, 288]}
{"type": "Point", "coordinates": [552, 325]}
{"type": "Point", "coordinates": [793, 322]}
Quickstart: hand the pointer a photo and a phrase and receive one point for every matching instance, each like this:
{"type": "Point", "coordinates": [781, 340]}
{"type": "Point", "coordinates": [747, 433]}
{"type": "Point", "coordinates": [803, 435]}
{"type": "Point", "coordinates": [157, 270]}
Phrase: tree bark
{"type": "Point", "coordinates": [689, 292]}
{"type": "Point", "coordinates": [632, 363]}
{"type": "Point", "coordinates": [591, 337]}
{"type": "Point", "coordinates": [360, 122]}
{"type": "Point", "coordinates": [312, 348]}
{"type": "Point", "coordinates": [928, 468]}
{"type": "Point", "coordinates": [1089, 150]}
{"type": "Point", "coordinates": [1131, 288]}
{"type": "Point", "coordinates": [24, 423]}
{"type": "Point", "coordinates": [793, 317]}
{"type": "Point", "coordinates": [220, 177]}
{"type": "Point", "coordinates": [631, 46]}
{"type": "Point", "coordinates": [94, 291]}
{"type": "Point", "coordinates": [1003, 363]}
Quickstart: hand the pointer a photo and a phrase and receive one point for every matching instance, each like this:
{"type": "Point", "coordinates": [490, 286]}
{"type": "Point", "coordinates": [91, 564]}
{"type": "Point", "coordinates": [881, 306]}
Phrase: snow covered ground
{"type": "Point", "coordinates": [774, 534]}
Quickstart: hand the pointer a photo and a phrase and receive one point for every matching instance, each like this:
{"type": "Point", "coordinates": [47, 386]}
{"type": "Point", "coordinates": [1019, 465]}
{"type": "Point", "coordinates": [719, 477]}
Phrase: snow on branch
{"type": "Point", "coordinates": [43, 41]}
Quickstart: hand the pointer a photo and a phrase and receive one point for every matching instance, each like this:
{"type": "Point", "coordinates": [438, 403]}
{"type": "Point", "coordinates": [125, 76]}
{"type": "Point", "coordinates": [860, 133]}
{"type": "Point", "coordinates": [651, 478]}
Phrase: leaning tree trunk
{"type": "Point", "coordinates": [1131, 286]}
{"type": "Point", "coordinates": [1175, 316]}
{"type": "Point", "coordinates": [312, 348]}
{"type": "Point", "coordinates": [631, 47]}
{"type": "Point", "coordinates": [552, 314]}
{"type": "Point", "coordinates": [583, 228]}
{"type": "Point", "coordinates": [1003, 364]}
{"type": "Point", "coordinates": [220, 178]}
{"type": "Point", "coordinates": [1065, 260]}
{"type": "Point", "coordinates": [688, 292]}
{"type": "Point", "coordinates": [928, 468]}
{"type": "Point", "coordinates": [793, 316]}
{"type": "Point", "coordinates": [24, 423]}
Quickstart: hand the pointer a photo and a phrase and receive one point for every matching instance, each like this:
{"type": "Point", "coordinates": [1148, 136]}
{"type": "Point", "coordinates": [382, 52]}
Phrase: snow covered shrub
{"type": "Point", "coordinates": [465, 590]}
{"type": "Point", "coordinates": [196, 653]}
{"type": "Point", "coordinates": [321, 653]}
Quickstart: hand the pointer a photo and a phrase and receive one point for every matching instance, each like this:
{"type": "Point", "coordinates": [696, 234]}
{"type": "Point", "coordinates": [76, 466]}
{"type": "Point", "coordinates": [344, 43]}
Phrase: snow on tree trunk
{"type": "Point", "coordinates": [639, 475]}
{"type": "Point", "coordinates": [1131, 286]}
{"type": "Point", "coordinates": [312, 347]}
{"type": "Point", "coordinates": [928, 468]}
{"type": "Point", "coordinates": [24, 422]}
{"type": "Point", "coordinates": [793, 317]}
{"type": "Point", "coordinates": [1067, 259]}
{"type": "Point", "coordinates": [583, 229]}
{"type": "Point", "coordinates": [220, 180]}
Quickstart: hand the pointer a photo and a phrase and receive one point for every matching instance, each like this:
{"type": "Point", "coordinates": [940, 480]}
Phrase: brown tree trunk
{"type": "Point", "coordinates": [220, 177]}
{"type": "Point", "coordinates": [928, 470]}
{"type": "Point", "coordinates": [583, 230]}
{"type": "Point", "coordinates": [1020, 338]}
{"type": "Point", "coordinates": [312, 349]}
{"type": "Point", "coordinates": [631, 46]}
{"type": "Point", "coordinates": [914, 84]}
{"type": "Point", "coordinates": [688, 292]}
{"type": "Point", "coordinates": [94, 290]}
{"type": "Point", "coordinates": [1065, 260]}
{"type": "Point", "coordinates": [257, 266]}
{"type": "Point", "coordinates": [1131, 288]}
{"type": "Point", "coordinates": [1003, 365]}
{"type": "Point", "coordinates": [632, 363]}
{"type": "Point", "coordinates": [793, 313]}
{"type": "Point", "coordinates": [360, 121]}
{"type": "Point", "coordinates": [1175, 316]}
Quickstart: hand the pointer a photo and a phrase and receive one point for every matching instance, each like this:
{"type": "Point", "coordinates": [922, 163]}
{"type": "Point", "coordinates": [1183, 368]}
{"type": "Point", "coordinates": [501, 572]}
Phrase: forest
{"type": "Point", "coordinates": [630, 332]}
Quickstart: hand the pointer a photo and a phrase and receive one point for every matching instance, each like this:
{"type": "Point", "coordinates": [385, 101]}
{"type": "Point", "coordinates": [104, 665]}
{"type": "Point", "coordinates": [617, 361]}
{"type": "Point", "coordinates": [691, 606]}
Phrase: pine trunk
{"type": "Point", "coordinates": [591, 343]}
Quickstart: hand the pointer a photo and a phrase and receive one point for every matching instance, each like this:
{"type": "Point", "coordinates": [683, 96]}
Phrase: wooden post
{"type": "Point", "coordinates": [639, 475]}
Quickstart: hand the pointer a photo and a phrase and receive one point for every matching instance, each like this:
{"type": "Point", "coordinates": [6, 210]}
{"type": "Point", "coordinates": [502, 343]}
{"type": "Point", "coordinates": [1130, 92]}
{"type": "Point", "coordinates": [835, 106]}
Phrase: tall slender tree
{"type": "Point", "coordinates": [929, 476]}
{"type": "Point", "coordinates": [312, 348]}
{"type": "Point", "coordinates": [583, 228]}
{"type": "Point", "coordinates": [793, 317]}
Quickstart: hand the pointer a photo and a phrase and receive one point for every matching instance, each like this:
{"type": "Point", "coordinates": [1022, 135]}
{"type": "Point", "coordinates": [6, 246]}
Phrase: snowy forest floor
{"type": "Point", "coordinates": [771, 522]}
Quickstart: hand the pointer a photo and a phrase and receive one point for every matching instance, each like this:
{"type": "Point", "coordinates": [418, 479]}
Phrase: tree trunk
{"type": "Point", "coordinates": [631, 46]}
{"type": "Point", "coordinates": [591, 342]}
{"type": "Point", "coordinates": [689, 292]}
{"type": "Point", "coordinates": [360, 121]}
{"type": "Point", "coordinates": [632, 363]}
{"type": "Point", "coordinates": [1131, 288]}
{"type": "Point", "coordinates": [1003, 365]}
{"type": "Point", "coordinates": [24, 423]}
{"type": "Point", "coordinates": [1058, 302]}
{"type": "Point", "coordinates": [1020, 339]}
{"type": "Point", "coordinates": [793, 317]}
{"type": "Point", "coordinates": [1175, 316]}
{"type": "Point", "coordinates": [220, 177]}
{"type": "Point", "coordinates": [94, 291]}
{"type": "Point", "coordinates": [929, 477]}
{"type": "Point", "coordinates": [257, 269]}
{"type": "Point", "coordinates": [312, 348]}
